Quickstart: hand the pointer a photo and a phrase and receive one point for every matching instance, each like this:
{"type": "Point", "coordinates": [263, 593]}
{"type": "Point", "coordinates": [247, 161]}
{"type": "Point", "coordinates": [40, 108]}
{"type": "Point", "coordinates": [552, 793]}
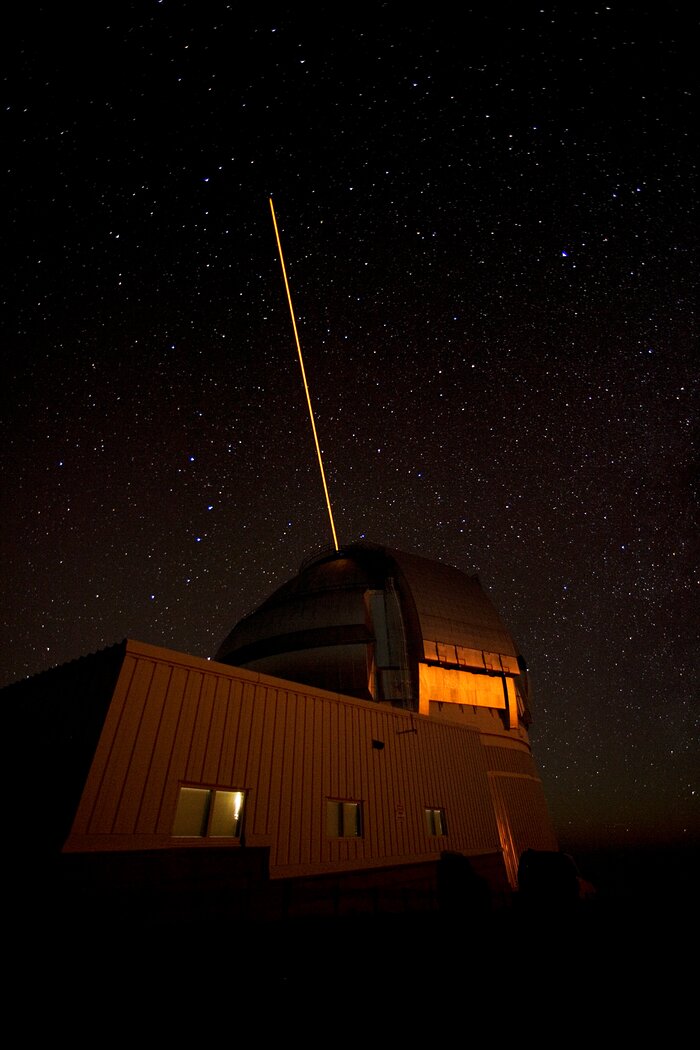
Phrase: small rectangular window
{"type": "Point", "coordinates": [343, 819]}
{"type": "Point", "coordinates": [212, 812]}
{"type": "Point", "coordinates": [435, 818]}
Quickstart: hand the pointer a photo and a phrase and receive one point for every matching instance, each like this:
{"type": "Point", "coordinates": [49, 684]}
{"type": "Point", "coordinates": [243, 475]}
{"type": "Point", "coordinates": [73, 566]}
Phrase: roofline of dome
{"type": "Point", "coordinates": [330, 553]}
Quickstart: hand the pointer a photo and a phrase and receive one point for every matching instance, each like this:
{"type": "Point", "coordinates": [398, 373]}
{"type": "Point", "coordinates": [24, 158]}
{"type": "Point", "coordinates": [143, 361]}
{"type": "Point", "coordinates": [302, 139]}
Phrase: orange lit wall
{"type": "Point", "coordinates": [176, 719]}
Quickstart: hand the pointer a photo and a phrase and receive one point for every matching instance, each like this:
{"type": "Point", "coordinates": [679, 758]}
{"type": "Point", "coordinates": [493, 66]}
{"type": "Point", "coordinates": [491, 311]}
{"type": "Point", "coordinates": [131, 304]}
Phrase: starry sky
{"type": "Point", "coordinates": [490, 232]}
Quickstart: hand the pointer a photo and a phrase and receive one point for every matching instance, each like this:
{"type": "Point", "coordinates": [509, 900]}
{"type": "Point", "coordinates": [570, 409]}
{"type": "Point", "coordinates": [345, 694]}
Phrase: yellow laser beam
{"type": "Point", "coordinates": [303, 374]}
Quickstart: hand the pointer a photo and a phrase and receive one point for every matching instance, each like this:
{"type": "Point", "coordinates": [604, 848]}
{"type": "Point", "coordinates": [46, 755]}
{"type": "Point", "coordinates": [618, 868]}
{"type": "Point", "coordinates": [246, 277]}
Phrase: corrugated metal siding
{"type": "Point", "coordinates": [176, 719]}
{"type": "Point", "coordinates": [510, 760]}
{"type": "Point", "coordinates": [521, 811]}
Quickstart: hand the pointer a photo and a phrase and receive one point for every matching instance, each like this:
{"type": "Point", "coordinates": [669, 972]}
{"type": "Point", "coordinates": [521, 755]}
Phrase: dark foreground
{"type": "Point", "coordinates": [627, 953]}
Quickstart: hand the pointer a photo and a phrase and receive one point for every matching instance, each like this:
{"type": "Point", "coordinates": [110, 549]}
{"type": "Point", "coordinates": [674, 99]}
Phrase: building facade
{"type": "Point", "coordinates": [370, 719]}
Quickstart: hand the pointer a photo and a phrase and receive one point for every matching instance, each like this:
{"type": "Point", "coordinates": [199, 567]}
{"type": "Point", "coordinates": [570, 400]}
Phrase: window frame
{"type": "Point", "coordinates": [211, 813]}
{"type": "Point", "coordinates": [342, 808]}
{"type": "Point", "coordinates": [435, 815]}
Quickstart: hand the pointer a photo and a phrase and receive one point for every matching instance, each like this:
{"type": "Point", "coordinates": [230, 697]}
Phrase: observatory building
{"type": "Point", "coordinates": [366, 722]}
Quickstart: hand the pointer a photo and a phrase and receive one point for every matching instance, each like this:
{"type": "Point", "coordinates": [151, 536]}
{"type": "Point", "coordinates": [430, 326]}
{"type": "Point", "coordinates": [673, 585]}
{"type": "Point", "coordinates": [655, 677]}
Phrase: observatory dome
{"type": "Point", "coordinates": [384, 625]}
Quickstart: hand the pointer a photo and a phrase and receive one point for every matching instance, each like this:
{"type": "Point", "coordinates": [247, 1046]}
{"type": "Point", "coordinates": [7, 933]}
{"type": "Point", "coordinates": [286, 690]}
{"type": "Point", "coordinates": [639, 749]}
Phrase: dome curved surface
{"type": "Point", "coordinates": [367, 621]}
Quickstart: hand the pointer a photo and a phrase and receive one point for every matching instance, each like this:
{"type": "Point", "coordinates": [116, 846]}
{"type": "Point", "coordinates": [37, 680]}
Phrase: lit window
{"type": "Point", "coordinates": [208, 812]}
{"type": "Point", "coordinates": [344, 819]}
{"type": "Point", "coordinates": [437, 825]}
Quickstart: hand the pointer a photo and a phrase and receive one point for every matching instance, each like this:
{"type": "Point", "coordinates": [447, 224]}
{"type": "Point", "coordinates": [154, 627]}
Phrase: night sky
{"type": "Point", "coordinates": [490, 232]}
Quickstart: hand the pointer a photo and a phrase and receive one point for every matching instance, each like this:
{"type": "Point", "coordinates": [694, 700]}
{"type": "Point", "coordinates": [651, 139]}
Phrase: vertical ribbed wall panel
{"type": "Point", "coordinates": [176, 720]}
{"type": "Point", "coordinates": [231, 732]}
{"type": "Point", "coordinates": [416, 776]}
{"type": "Point", "coordinates": [183, 727]}
{"type": "Point", "coordinates": [87, 808]}
{"type": "Point", "coordinates": [305, 761]}
{"type": "Point", "coordinates": [296, 776]}
{"type": "Point", "coordinates": [460, 778]}
{"type": "Point", "coordinates": [520, 803]}
{"type": "Point", "coordinates": [382, 803]}
{"type": "Point", "coordinates": [118, 748]}
{"type": "Point", "coordinates": [194, 771]}
{"type": "Point", "coordinates": [318, 813]}
{"type": "Point", "coordinates": [214, 732]}
{"type": "Point", "coordinates": [275, 725]}
{"type": "Point", "coordinates": [141, 735]}
{"type": "Point", "coordinates": [393, 811]}
{"type": "Point", "coordinates": [164, 745]}
{"type": "Point", "coordinates": [257, 761]}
